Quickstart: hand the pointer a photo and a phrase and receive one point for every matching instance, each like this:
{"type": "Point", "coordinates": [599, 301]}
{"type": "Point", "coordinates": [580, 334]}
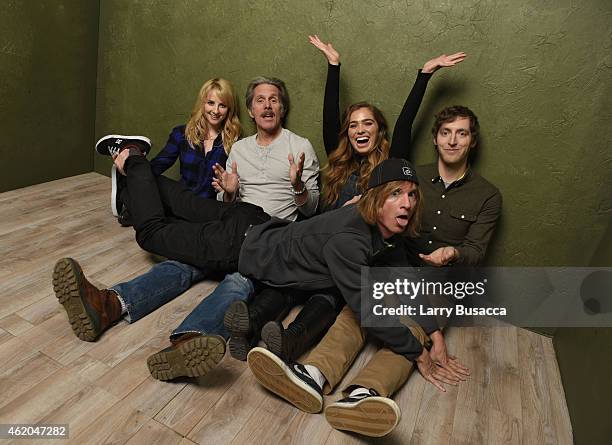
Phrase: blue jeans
{"type": "Point", "coordinates": [161, 284]}
{"type": "Point", "coordinates": [207, 317]}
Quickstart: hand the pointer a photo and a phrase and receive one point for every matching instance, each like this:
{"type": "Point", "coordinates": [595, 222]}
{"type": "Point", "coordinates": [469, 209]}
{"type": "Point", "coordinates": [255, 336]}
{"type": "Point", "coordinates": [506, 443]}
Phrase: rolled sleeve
{"type": "Point", "coordinates": [310, 177]}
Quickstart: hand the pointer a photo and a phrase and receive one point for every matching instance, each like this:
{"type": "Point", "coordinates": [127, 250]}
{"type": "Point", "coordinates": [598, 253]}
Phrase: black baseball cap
{"type": "Point", "coordinates": [392, 170]}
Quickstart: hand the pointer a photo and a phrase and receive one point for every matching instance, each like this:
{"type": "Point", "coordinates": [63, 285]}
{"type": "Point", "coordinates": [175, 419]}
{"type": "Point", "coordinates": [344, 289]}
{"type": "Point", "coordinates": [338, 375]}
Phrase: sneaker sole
{"type": "Point", "coordinates": [119, 136]}
{"type": "Point", "coordinates": [66, 278]}
{"type": "Point", "coordinates": [114, 188]}
{"type": "Point", "coordinates": [273, 374]}
{"type": "Point", "coordinates": [272, 336]}
{"type": "Point", "coordinates": [194, 358]}
{"type": "Point", "coordinates": [374, 416]}
{"type": "Point", "coordinates": [237, 323]}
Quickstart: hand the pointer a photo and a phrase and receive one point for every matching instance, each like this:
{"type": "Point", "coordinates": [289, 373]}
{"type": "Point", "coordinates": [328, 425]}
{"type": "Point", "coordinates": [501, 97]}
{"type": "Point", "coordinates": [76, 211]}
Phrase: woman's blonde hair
{"type": "Point", "coordinates": [372, 201]}
{"type": "Point", "coordinates": [197, 127]}
{"type": "Point", "coordinates": [342, 161]}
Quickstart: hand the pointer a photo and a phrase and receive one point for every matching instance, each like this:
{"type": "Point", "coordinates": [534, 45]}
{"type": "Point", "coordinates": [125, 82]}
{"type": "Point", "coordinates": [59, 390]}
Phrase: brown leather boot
{"type": "Point", "coordinates": [90, 310]}
{"type": "Point", "coordinates": [191, 355]}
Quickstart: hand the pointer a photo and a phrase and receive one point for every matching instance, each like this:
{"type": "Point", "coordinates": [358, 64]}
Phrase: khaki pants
{"type": "Point", "coordinates": [386, 372]}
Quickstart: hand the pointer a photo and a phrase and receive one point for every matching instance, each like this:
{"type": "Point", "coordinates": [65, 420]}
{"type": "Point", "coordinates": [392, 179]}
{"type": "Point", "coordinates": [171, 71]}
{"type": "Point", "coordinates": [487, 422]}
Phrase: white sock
{"type": "Point", "coordinates": [359, 391]}
{"type": "Point", "coordinates": [123, 305]}
{"type": "Point", "coordinates": [316, 375]}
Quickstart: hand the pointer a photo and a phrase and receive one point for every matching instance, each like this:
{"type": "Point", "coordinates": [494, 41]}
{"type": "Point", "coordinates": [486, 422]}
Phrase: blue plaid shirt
{"type": "Point", "coordinates": [196, 169]}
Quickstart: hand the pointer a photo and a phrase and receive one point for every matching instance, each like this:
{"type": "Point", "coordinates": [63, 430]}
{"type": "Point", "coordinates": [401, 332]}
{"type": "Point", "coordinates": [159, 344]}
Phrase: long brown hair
{"type": "Point", "coordinates": [342, 161]}
{"type": "Point", "coordinates": [197, 127]}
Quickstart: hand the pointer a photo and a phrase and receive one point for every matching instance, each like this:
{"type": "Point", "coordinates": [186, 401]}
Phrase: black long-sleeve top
{"type": "Point", "coordinates": [400, 340]}
{"type": "Point", "coordinates": [402, 135]}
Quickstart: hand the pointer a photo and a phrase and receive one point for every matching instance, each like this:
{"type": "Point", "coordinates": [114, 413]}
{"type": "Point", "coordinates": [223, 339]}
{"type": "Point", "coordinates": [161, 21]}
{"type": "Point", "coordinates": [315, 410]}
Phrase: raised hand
{"type": "Point", "coordinates": [225, 181]}
{"type": "Point", "coordinates": [442, 61]}
{"type": "Point", "coordinates": [295, 171]}
{"type": "Point", "coordinates": [441, 256]}
{"type": "Point", "coordinates": [333, 57]}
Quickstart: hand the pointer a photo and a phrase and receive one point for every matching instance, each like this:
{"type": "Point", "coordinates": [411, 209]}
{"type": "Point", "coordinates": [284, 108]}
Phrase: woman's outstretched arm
{"type": "Point", "coordinates": [331, 102]}
{"type": "Point", "coordinates": [402, 134]}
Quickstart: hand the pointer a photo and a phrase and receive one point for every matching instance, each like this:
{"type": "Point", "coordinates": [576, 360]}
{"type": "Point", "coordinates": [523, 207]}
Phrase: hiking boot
{"type": "Point", "coordinates": [90, 310]}
{"type": "Point", "coordinates": [238, 324]}
{"type": "Point", "coordinates": [112, 144]}
{"type": "Point", "coordinates": [189, 356]}
{"type": "Point", "coordinates": [310, 325]}
{"type": "Point", "coordinates": [244, 322]}
{"type": "Point", "coordinates": [368, 414]}
{"type": "Point", "coordinates": [291, 381]}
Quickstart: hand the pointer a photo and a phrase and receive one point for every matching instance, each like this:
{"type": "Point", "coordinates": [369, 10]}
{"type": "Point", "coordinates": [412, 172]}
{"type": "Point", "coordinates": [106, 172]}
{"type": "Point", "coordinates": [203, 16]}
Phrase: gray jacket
{"type": "Point", "coordinates": [320, 253]}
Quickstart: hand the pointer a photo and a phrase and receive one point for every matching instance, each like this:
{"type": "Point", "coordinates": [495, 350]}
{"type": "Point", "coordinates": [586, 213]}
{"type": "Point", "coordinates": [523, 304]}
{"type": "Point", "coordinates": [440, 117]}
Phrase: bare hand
{"type": "Point", "coordinates": [434, 374]}
{"type": "Point", "coordinates": [225, 181]}
{"type": "Point", "coordinates": [333, 57]}
{"type": "Point", "coordinates": [442, 61]}
{"type": "Point", "coordinates": [441, 256]}
{"type": "Point", "coordinates": [295, 170]}
{"type": "Point", "coordinates": [353, 200]}
{"type": "Point", "coordinates": [439, 355]}
{"type": "Point", "coordinates": [120, 159]}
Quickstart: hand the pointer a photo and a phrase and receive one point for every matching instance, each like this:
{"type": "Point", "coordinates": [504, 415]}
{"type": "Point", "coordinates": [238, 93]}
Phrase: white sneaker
{"type": "Point", "coordinates": [367, 414]}
{"type": "Point", "coordinates": [292, 381]}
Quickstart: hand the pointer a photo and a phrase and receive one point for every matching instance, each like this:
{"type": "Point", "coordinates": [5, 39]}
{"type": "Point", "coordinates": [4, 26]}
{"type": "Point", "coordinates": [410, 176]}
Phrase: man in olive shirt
{"type": "Point", "coordinates": [461, 207]}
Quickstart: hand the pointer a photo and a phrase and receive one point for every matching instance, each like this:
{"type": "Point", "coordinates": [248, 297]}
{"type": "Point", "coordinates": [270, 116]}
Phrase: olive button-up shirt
{"type": "Point", "coordinates": [462, 215]}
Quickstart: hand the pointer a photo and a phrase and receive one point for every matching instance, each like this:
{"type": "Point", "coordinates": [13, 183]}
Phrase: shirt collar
{"type": "Point", "coordinates": [457, 182]}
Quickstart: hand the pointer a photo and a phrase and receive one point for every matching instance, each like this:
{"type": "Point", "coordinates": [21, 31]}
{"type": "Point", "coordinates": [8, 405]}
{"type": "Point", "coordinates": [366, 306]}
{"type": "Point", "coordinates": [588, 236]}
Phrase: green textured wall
{"type": "Point", "coordinates": [48, 52]}
{"type": "Point", "coordinates": [538, 76]}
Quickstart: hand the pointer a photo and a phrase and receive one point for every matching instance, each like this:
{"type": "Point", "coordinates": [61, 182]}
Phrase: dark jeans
{"type": "Point", "coordinates": [170, 220]}
{"type": "Point", "coordinates": [207, 317]}
{"type": "Point", "coordinates": [162, 283]}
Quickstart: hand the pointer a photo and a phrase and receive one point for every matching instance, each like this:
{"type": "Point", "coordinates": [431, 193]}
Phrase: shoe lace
{"type": "Point", "coordinates": [114, 149]}
{"type": "Point", "coordinates": [300, 369]}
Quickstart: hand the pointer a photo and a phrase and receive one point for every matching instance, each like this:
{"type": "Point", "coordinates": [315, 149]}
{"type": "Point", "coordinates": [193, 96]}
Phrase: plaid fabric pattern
{"type": "Point", "coordinates": [195, 168]}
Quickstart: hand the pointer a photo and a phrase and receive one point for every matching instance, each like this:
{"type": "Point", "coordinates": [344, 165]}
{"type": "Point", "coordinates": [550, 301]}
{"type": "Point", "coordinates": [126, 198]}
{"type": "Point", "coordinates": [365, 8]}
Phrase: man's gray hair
{"type": "Point", "coordinates": [262, 80]}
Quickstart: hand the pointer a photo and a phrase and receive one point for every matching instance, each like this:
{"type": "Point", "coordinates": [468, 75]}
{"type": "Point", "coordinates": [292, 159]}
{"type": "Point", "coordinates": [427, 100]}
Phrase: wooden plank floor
{"type": "Point", "coordinates": [104, 392]}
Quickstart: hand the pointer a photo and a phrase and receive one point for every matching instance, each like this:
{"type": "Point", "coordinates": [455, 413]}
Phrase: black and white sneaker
{"type": "Point", "coordinates": [112, 144]}
{"type": "Point", "coordinates": [291, 381]}
{"type": "Point", "coordinates": [124, 218]}
{"type": "Point", "coordinates": [368, 414]}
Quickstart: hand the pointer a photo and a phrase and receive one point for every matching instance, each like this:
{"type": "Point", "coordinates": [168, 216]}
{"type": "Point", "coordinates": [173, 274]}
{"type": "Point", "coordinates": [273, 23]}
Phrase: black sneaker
{"type": "Point", "coordinates": [124, 218]}
{"type": "Point", "coordinates": [291, 381]}
{"type": "Point", "coordinates": [112, 144]}
{"type": "Point", "coordinates": [368, 414]}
